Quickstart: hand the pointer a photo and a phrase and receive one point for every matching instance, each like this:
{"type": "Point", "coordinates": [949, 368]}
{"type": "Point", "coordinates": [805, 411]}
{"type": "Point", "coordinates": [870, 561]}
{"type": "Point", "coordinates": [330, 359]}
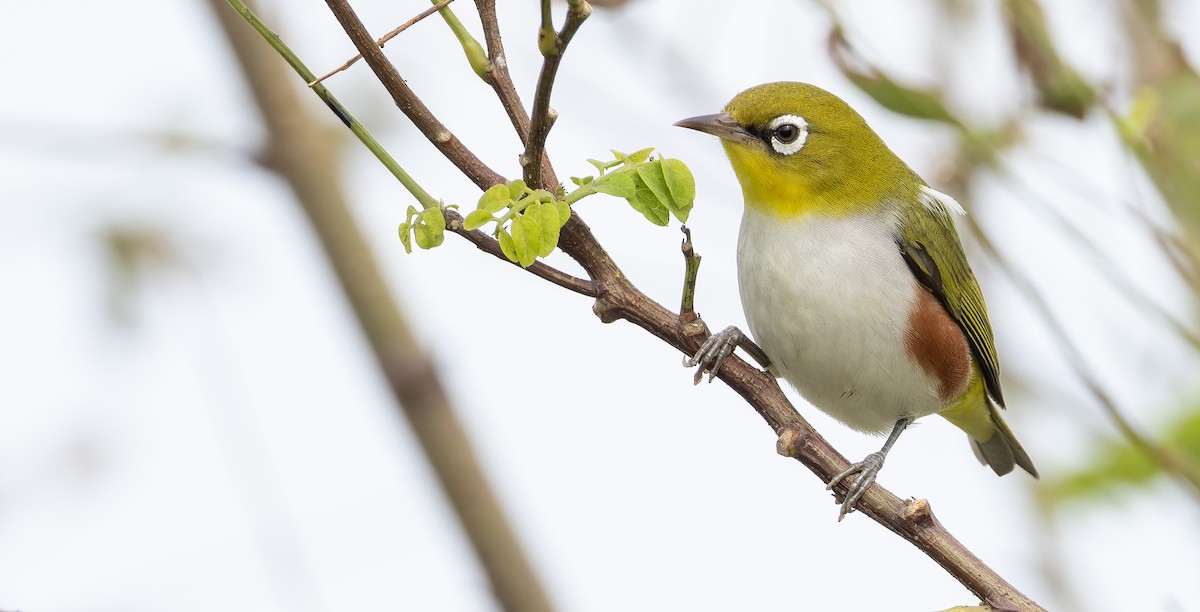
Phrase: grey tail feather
{"type": "Point", "coordinates": [1002, 450]}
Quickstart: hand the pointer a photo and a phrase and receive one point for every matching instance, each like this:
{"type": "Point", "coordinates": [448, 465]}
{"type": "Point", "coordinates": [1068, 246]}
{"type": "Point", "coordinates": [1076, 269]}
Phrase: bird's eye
{"type": "Point", "coordinates": [787, 134]}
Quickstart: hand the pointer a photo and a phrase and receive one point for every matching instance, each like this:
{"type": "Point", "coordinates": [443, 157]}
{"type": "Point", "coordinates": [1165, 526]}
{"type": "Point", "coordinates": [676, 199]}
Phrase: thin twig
{"type": "Point", "coordinates": [691, 268]}
{"type": "Point", "coordinates": [1101, 261]}
{"type": "Point", "coordinates": [357, 128]}
{"type": "Point", "coordinates": [542, 121]}
{"type": "Point", "coordinates": [488, 244]}
{"type": "Point", "coordinates": [1170, 461]}
{"type": "Point", "coordinates": [441, 137]}
{"type": "Point", "coordinates": [383, 41]}
{"type": "Point", "coordinates": [502, 83]}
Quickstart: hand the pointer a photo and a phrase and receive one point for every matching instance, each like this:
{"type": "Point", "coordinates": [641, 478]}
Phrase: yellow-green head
{"type": "Point", "coordinates": [798, 149]}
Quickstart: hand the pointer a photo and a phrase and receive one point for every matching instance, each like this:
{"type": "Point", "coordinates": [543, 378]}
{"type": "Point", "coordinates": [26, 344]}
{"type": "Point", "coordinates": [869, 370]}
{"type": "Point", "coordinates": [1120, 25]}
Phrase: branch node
{"type": "Point", "coordinates": [917, 512]}
{"type": "Point", "coordinates": [692, 327]}
{"type": "Point", "coordinates": [790, 441]}
{"type": "Point", "coordinates": [606, 309]}
{"type": "Point", "coordinates": [442, 137]}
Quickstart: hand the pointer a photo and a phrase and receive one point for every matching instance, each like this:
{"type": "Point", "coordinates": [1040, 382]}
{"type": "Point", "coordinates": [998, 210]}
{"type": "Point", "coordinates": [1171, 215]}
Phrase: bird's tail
{"type": "Point", "coordinates": [1001, 450]}
{"type": "Point", "coordinates": [991, 439]}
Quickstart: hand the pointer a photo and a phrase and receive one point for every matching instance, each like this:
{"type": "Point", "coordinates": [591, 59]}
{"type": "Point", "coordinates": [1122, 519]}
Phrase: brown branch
{"type": "Point", "coordinates": [488, 244]}
{"type": "Point", "coordinates": [383, 41]}
{"type": "Point", "coordinates": [416, 111]}
{"type": "Point", "coordinates": [618, 299]}
{"type": "Point", "coordinates": [502, 83]}
{"type": "Point", "coordinates": [542, 121]}
{"type": "Point", "coordinates": [298, 150]}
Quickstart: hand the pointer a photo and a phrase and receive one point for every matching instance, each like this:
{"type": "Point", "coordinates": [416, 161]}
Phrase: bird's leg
{"type": "Point", "coordinates": [717, 347]}
{"type": "Point", "coordinates": [866, 469]}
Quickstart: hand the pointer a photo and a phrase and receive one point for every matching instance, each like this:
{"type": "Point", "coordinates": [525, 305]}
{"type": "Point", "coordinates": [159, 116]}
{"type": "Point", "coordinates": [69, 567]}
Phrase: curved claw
{"type": "Point", "coordinates": [713, 352]}
{"type": "Point", "coordinates": [867, 470]}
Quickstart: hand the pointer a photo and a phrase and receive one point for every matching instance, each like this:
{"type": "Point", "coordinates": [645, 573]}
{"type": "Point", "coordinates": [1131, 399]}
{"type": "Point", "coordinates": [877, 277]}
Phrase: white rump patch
{"type": "Point", "coordinates": [939, 202]}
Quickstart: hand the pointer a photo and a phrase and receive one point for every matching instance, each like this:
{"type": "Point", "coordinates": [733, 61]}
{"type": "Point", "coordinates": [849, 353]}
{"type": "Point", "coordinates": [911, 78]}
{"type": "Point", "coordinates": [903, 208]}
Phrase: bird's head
{"type": "Point", "coordinates": [797, 148]}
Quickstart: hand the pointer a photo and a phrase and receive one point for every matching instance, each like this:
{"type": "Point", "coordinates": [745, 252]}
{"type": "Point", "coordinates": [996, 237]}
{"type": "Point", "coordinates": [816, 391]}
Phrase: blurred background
{"type": "Point", "coordinates": [193, 415]}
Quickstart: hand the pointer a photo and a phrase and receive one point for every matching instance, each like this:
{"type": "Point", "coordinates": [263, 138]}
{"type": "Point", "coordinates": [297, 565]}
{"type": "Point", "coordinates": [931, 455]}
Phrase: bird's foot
{"type": "Point", "coordinates": [866, 469]}
{"type": "Point", "coordinates": [713, 353]}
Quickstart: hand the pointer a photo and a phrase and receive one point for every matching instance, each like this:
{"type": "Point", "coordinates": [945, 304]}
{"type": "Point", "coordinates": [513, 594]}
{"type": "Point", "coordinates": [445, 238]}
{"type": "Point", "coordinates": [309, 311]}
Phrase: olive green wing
{"type": "Point", "coordinates": [931, 248]}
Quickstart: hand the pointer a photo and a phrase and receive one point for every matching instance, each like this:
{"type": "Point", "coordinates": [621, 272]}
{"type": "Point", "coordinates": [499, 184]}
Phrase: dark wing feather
{"type": "Point", "coordinates": [931, 248]}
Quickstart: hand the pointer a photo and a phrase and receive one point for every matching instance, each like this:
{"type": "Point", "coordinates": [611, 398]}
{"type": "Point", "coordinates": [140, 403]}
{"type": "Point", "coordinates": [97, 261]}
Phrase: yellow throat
{"type": "Point", "coordinates": [846, 169]}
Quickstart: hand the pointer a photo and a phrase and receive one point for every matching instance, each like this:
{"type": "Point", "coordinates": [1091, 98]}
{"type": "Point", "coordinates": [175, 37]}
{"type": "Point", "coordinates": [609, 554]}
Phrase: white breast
{"type": "Point", "coordinates": [828, 300]}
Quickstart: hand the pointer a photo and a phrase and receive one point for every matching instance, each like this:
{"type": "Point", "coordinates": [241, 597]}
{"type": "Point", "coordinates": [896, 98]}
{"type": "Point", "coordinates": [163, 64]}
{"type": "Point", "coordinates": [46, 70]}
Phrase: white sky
{"type": "Point", "coordinates": [234, 449]}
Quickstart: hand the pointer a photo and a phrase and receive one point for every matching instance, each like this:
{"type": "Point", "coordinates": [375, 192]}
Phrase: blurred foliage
{"type": "Point", "coordinates": [905, 100]}
{"type": "Point", "coordinates": [1163, 131]}
{"type": "Point", "coordinates": [131, 254]}
{"type": "Point", "coordinates": [1117, 465]}
{"type": "Point", "coordinates": [1059, 87]}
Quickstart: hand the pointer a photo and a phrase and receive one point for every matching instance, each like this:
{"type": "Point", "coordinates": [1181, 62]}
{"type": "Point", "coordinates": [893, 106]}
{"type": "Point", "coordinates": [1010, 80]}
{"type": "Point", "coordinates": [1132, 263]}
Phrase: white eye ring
{"type": "Point", "coordinates": [787, 133]}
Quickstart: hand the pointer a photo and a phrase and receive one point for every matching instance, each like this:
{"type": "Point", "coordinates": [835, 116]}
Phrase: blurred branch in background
{"type": "Point", "coordinates": [1162, 129]}
{"type": "Point", "coordinates": [137, 255]}
{"type": "Point", "coordinates": [1060, 88]}
{"type": "Point", "coordinates": [1182, 467]}
{"type": "Point", "coordinates": [301, 153]}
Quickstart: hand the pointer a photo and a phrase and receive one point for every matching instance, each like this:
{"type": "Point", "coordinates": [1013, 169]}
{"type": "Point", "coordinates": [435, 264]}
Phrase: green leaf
{"type": "Point", "coordinates": [424, 236]}
{"type": "Point", "coordinates": [598, 164]}
{"type": "Point", "coordinates": [548, 219]}
{"type": "Point", "coordinates": [477, 219]}
{"type": "Point", "coordinates": [431, 228]}
{"type": "Point", "coordinates": [495, 194]}
{"type": "Point", "coordinates": [541, 195]}
{"type": "Point", "coordinates": [638, 157]}
{"type": "Point", "coordinates": [517, 189]}
{"type": "Point", "coordinates": [564, 212]}
{"type": "Point", "coordinates": [652, 176]}
{"type": "Point", "coordinates": [1117, 466]}
{"type": "Point", "coordinates": [435, 218]}
{"type": "Point", "coordinates": [406, 236]}
{"type": "Point", "coordinates": [682, 186]}
{"type": "Point", "coordinates": [496, 206]}
{"type": "Point", "coordinates": [646, 202]}
{"type": "Point", "coordinates": [580, 181]}
{"type": "Point", "coordinates": [526, 239]}
{"type": "Point", "coordinates": [506, 244]}
{"type": "Point", "coordinates": [618, 184]}
{"type": "Point", "coordinates": [532, 231]}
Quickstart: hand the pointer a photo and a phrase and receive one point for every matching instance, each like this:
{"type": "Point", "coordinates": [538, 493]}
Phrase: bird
{"type": "Point", "coordinates": [853, 279]}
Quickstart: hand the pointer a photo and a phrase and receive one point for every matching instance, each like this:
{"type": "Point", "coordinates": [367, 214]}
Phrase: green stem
{"type": "Point", "coordinates": [691, 270]}
{"type": "Point", "coordinates": [579, 194]}
{"type": "Point", "coordinates": [427, 201]}
{"type": "Point", "coordinates": [547, 37]}
{"type": "Point", "coordinates": [476, 56]}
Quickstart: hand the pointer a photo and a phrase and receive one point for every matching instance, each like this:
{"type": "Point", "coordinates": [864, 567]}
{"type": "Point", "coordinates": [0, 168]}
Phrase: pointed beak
{"type": "Point", "coordinates": [721, 125]}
